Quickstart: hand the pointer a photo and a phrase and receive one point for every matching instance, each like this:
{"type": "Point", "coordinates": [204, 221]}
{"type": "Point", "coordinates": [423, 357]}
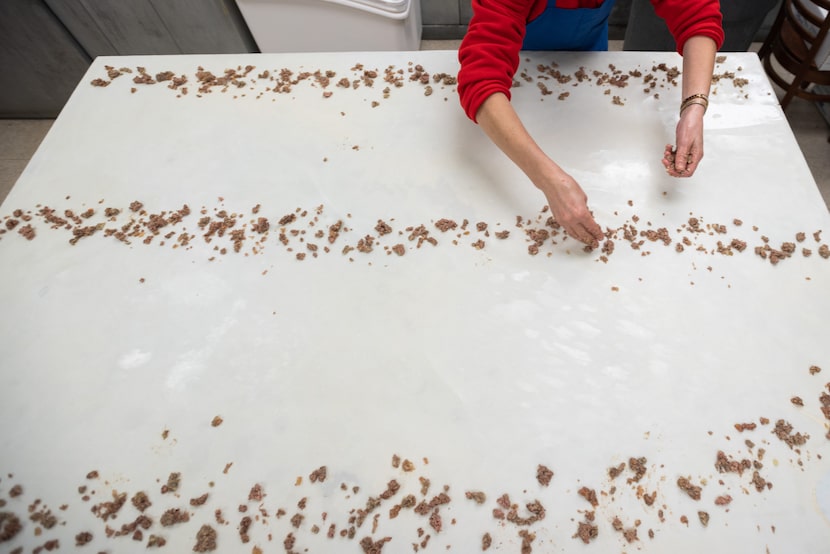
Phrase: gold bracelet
{"type": "Point", "coordinates": [704, 97]}
{"type": "Point", "coordinates": [691, 102]}
{"type": "Point", "coordinates": [701, 99]}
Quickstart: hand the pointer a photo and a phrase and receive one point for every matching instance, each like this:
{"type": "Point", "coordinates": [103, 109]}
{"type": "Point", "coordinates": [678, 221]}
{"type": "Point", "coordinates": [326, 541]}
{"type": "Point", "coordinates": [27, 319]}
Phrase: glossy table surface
{"type": "Point", "coordinates": [126, 332]}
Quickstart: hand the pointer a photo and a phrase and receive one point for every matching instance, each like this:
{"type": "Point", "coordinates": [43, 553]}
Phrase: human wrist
{"type": "Point", "coordinates": [693, 109]}
{"type": "Point", "coordinates": [699, 99]}
{"type": "Point", "coordinates": [550, 178]}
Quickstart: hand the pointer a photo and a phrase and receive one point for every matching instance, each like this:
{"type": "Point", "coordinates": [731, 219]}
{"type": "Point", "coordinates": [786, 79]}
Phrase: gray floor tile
{"type": "Point", "coordinates": [440, 44]}
{"type": "Point", "coordinates": [10, 170]}
{"type": "Point", "coordinates": [19, 138]}
{"type": "Point", "coordinates": [813, 136]}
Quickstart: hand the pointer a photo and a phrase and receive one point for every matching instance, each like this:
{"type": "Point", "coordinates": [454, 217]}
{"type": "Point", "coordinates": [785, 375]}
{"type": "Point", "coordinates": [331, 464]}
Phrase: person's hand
{"type": "Point", "coordinates": [569, 205]}
{"type": "Point", "coordinates": [685, 159]}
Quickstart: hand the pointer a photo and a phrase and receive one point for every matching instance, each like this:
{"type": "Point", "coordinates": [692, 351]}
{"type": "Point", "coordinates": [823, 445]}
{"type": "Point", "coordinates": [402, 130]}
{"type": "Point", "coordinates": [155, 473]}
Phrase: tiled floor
{"type": "Point", "coordinates": [19, 139]}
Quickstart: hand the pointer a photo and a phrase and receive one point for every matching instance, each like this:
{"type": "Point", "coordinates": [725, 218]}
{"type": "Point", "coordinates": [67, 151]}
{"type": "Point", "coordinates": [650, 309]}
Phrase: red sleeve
{"type": "Point", "coordinates": [690, 18]}
{"type": "Point", "coordinates": [489, 53]}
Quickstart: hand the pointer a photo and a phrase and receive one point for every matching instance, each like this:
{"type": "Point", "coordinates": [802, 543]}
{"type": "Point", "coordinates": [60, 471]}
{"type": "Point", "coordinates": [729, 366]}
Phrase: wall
{"type": "Point", "coordinates": [46, 46]}
{"type": "Point", "coordinates": [116, 27]}
{"type": "Point", "coordinates": [39, 73]}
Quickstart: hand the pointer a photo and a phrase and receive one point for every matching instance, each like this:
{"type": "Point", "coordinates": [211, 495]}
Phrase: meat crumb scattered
{"type": "Point", "coordinates": [543, 475]}
{"type": "Point", "coordinates": [318, 474]}
{"type": "Point", "coordinates": [590, 495]}
{"type": "Point", "coordinates": [174, 516]}
{"type": "Point", "coordinates": [10, 526]}
{"type": "Point", "coordinates": [173, 481]}
{"type": "Point", "coordinates": [141, 501]}
{"type": "Point", "coordinates": [256, 494]}
{"type": "Point", "coordinates": [477, 496]}
{"type": "Point", "coordinates": [692, 490]}
{"type": "Point", "coordinates": [205, 539]}
{"type": "Point", "coordinates": [586, 531]}
{"type": "Point", "coordinates": [154, 541]}
{"type": "Point", "coordinates": [723, 500]}
{"type": "Point", "coordinates": [614, 471]}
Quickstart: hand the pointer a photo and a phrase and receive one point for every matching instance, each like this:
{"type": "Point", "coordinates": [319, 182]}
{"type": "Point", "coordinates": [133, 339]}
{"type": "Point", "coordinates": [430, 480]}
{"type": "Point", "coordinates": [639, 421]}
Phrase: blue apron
{"type": "Point", "coordinates": [569, 29]}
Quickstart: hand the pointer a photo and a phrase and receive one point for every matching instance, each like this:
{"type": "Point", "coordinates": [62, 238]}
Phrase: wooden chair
{"type": "Point", "coordinates": [795, 40]}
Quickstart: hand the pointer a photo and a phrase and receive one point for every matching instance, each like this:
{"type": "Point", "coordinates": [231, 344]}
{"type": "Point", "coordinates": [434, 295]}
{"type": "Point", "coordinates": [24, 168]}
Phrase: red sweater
{"type": "Point", "coordinates": [489, 53]}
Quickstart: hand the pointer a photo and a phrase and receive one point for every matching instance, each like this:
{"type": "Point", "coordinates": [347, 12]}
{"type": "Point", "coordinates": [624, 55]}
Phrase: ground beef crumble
{"type": "Point", "coordinates": [205, 539]}
{"type": "Point", "coordinates": [174, 516]}
{"type": "Point", "coordinates": [172, 485]}
{"type": "Point", "coordinates": [256, 494]}
{"type": "Point", "coordinates": [10, 526]}
{"type": "Point", "coordinates": [141, 501]}
{"type": "Point", "coordinates": [692, 490]}
{"type": "Point", "coordinates": [445, 225]}
{"type": "Point", "coordinates": [544, 475]}
{"type": "Point", "coordinates": [383, 228]}
{"type": "Point", "coordinates": [318, 474]}
{"type": "Point", "coordinates": [638, 466]}
{"type": "Point", "coordinates": [586, 531]}
{"type": "Point", "coordinates": [107, 510]}
{"type": "Point", "coordinates": [723, 500]}
{"type": "Point", "coordinates": [615, 471]}
{"type": "Point", "coordinates": [476, 496]}
{"type": "Point", "coordinates": [590, 495]}
{"type": "Point", "coordinates": [784, 431]}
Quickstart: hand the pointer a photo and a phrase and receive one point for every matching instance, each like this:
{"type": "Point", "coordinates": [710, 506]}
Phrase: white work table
{"type": "Point", "coordinates": [475, 364]}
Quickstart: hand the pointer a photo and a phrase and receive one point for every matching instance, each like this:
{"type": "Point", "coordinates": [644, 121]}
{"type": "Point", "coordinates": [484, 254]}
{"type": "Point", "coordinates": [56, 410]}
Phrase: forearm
{"type": "Point", "coordinates": [499, 121]}
{"type": "Point", "coordinates": [566, 199]}
{"type": "Point", "coordinates": [698, 65]}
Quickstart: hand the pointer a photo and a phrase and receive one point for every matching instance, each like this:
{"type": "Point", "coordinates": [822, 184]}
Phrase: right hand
{"type": "Point", "coordinates": [566, 198]}
{"type": "Point", "coordinates": [569, 205]}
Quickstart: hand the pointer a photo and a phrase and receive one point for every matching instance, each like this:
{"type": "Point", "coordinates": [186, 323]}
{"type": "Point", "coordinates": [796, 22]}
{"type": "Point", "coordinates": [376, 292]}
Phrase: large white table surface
{"type": "Point", "coordinates": [477, 365]}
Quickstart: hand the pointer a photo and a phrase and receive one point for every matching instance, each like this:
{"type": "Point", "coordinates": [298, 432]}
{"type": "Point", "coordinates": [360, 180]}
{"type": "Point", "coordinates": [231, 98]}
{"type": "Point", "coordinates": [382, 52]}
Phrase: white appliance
{"type": "Point", "coordinates": [333, 25]}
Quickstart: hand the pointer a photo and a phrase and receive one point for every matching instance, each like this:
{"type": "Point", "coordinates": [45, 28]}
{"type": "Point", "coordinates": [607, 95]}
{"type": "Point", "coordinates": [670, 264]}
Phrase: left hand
{"type": "Point", "coordinates": [685, 159]}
